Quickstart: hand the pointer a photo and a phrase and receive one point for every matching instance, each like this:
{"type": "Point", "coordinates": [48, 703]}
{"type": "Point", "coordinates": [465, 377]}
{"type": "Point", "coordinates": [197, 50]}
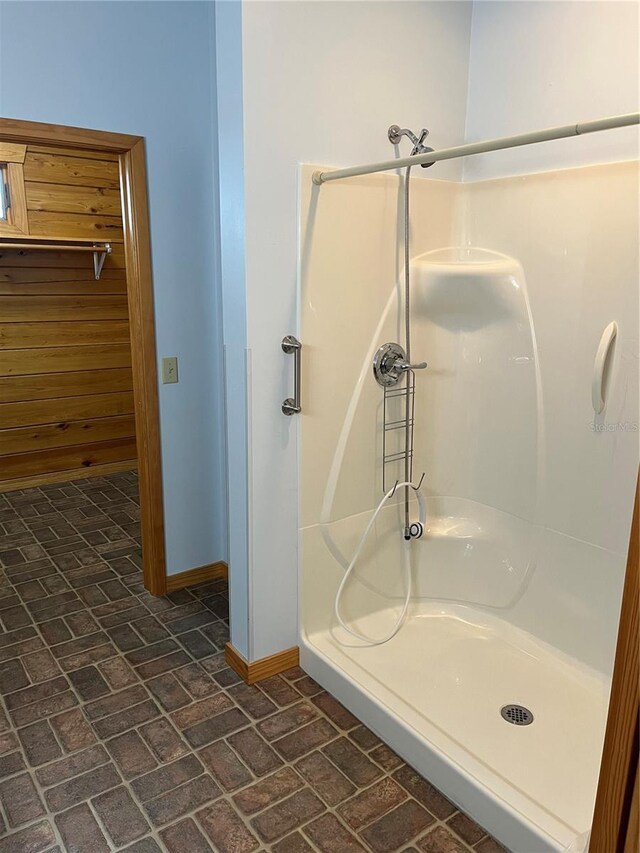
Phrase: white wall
{"type": "Point", "coordinates": [145, 68]}
{"type": "Point", "coordinates": [538, 64]}
{"type": "Point", "coordinates": [322, 83]}
{"type": "Point", "coordinates": [232, 277]}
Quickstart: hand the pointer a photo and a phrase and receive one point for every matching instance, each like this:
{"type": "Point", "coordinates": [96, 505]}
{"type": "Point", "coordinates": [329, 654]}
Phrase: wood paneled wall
{"type": "Point", "coordinates": [66, 401]}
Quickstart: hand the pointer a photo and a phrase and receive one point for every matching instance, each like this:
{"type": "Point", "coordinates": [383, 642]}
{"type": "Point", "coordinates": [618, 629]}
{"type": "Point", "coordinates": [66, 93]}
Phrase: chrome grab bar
{"type": "Point", "coordinates": [291, 406]}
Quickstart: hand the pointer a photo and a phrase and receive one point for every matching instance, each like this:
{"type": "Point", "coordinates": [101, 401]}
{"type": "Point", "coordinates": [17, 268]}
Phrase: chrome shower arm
{"type": "Point", "coordinates": [396, 133]}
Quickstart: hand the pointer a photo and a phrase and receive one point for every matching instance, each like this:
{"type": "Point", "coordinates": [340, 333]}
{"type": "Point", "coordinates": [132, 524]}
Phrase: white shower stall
{"type": "Point", "coordinates": [517, 581]}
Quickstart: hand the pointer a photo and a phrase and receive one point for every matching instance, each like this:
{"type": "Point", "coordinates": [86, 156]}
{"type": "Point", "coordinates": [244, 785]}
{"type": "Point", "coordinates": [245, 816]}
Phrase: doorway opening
{"type": "Point", "coordinates": [79, 414]}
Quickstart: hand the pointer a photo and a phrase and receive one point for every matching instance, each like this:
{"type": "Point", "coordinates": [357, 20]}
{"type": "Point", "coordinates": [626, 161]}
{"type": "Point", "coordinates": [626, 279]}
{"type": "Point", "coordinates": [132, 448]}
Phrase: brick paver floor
{"type": "Point", "coordinates": [121, 727]}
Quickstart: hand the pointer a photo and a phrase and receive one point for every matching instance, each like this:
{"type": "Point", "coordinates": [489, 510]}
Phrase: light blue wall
{"type": "Point", "coordinates": [146, 68]}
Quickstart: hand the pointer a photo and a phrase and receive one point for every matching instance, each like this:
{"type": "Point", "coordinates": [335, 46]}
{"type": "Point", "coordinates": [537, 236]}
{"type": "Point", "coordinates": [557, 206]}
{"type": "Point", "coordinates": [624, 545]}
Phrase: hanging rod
{"type": "Point", "coordinates": [99, 252]}
{"type": "Point", "coordinates": [562, 132]}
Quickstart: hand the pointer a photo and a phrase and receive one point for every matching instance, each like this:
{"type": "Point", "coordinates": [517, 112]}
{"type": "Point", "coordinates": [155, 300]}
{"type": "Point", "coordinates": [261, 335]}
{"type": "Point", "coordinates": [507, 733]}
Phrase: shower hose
{"type": "Point", "coordinates": [406, 559]}
{"type": "Point", "coordinates": [407, 484]}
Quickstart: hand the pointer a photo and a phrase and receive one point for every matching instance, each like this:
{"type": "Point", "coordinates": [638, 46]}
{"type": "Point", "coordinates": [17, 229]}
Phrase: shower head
{"type": "Point", "coordinates": [395, 134]}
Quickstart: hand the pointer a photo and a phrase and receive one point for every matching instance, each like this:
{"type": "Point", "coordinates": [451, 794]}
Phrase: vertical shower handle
{"type": "Point", "coordinates": [597, 383]}
{"type": "Point", "coordinates": [291, 345]}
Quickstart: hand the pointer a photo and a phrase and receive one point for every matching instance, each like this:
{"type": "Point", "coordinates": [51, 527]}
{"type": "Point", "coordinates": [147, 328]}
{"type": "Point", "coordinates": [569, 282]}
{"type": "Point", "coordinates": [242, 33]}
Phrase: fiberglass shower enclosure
{"type": "Point", "coordinates": [518, 578]}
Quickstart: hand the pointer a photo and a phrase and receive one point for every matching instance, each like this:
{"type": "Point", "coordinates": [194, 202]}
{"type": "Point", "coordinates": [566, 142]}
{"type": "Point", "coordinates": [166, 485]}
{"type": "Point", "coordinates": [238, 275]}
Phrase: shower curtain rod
{"type": "Point", "coordinates": [566, 130]}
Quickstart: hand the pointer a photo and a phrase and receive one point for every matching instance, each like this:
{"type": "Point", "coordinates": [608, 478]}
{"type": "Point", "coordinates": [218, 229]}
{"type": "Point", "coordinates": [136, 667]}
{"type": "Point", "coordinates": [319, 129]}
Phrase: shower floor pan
{"type": "Point", "coordinates": [435, 694]}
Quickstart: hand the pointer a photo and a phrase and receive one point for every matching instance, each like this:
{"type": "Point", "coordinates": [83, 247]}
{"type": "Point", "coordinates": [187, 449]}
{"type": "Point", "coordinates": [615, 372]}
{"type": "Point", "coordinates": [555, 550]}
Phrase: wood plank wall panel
{"type": "Point", "coordinates": [67, 458]}
{"type": "Point", "coordinates": [74, 225]}
{"type": "Point", "coordinates": [66, 401]}
{"type": "Point", "coordinates": [64, 434]}
{"type": "Point", "coordinates": [65, 409]}
{"type": "Point", "coordinates": [27, 335]}
{"type": "Point", "coordinates": [85, 200]}
{"type": "Point", "coordinates": [32, 308]}
{"type": "Point", "coordinates": [53, 385]}
{"type": "Point", "coordinates": [63, 359]}
{"type": "Point", "coordinates": [62, 285]}
{"type": "Point", "coordinates": [52, 167]}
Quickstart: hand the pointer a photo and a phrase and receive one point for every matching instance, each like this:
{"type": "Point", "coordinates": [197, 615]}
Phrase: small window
{"type": "Point", "coordinates": [13, 202]}
{"type": "Point", "coordinates": [5, 198]}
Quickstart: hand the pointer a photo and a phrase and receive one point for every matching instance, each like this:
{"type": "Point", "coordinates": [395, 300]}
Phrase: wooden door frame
{"type": "Point", "coordinates": [615, 820]}
{"type": "Point", "coordinates": [137, 249]}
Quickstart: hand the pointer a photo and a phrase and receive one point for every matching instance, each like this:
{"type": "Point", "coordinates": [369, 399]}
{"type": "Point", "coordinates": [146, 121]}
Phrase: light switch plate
{"type": "Point", "coordinates": [169, 370]}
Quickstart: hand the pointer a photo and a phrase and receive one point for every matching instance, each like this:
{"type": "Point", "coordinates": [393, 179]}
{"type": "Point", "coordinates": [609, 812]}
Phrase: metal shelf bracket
{"type": "Point", "coordinates": [99, 257]}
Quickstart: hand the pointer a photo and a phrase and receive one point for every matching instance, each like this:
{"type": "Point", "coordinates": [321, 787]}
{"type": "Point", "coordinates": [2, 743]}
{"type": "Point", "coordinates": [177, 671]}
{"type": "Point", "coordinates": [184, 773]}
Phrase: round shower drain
{"type": "Point", "coordinates": [517, 714]}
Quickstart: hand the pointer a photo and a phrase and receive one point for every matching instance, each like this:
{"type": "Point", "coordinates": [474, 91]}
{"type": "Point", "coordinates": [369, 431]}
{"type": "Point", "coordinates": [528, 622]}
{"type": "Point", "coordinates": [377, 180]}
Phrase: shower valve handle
{"type": "Point", "coordinates": [405, 366]}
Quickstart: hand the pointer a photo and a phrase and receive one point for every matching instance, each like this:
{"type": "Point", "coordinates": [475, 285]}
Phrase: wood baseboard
{"type": "Point", "coordinates": [37, 480]}
{"type": "Point", "coordinates": [263, 668]}
{"type": "Point", "coordinates": [212, 572]}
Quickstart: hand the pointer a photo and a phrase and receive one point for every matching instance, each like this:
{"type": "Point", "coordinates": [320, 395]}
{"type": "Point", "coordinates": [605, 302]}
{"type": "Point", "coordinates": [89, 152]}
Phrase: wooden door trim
{"type": "Point", "coordinates": [41, 133]}
{"type": "Point", "coordinates": [137, 246]}
{"type": "Point", "coordinates": [613, 815]}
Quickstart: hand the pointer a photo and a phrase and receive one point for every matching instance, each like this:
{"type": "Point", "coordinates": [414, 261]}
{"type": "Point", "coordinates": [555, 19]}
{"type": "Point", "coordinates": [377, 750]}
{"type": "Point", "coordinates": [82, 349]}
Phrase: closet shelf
{"type": "Point", "coordinates": [100, 250]}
